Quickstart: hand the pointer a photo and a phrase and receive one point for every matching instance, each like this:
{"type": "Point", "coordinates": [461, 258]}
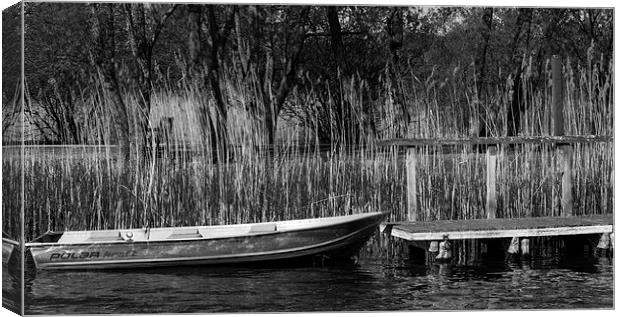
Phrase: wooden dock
{"type": "Point", "coordinates": [519, 229]}
{"type": "Point", "coordinates": [500, 228]}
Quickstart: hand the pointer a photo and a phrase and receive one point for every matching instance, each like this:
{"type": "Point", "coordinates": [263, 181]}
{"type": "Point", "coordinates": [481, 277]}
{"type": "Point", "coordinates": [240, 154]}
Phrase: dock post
{"type": "Point", "coordinates": [567, 182]}
{"type": "Point", "coordinates": [557, 115]}
{"type": "Point", "coordinates": [412, 202]}
{"type": "Point", "coordinates": [513, 248]}
{"type": "Point", "coordinates": [604, 244]}
{"type": "Point", "coordinates": [412, 190]}
{"type": "Point", "coordinates": [491, 205]}
{"type": "Point", "coordinates": [525, 247]}
{"type": "Point", "coordinates": [565, 151]}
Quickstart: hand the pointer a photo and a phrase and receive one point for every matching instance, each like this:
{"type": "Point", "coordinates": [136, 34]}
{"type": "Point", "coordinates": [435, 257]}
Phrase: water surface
{"type": "Point", "coordinates": [369, 285]}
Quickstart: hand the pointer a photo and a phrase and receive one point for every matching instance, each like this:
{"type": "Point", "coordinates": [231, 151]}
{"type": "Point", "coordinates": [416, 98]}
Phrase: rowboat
{"type": "Point", "coordinates": [8, 246]}
{"type": "Point", "coordinates": [331, 237]}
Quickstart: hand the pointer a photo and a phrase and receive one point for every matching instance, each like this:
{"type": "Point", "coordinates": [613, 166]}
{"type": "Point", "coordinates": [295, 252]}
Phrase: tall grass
{"type": "Point", "coordinates": [84, 187]}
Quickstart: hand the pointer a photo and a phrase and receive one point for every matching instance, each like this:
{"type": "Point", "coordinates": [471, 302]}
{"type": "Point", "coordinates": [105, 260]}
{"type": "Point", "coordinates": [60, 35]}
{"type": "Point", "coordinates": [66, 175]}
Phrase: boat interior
{"type": "Point", "coordinates": [50, 236]}
{"type": "Point", "coordinates": [187, 233]}
{"type": "Point", "coordinates": [6, 239]}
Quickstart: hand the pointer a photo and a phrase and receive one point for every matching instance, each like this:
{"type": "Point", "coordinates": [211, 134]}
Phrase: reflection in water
{"type": "Point", "coordinates": [11, 290]}
{"type": "Point", "coordinates": [366, 285]}
{"type": "Point", "coordinates": [11, 285]}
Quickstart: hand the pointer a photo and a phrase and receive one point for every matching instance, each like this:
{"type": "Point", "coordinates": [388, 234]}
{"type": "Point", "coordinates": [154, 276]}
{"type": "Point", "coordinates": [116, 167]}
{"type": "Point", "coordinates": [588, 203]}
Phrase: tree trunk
{"type": "Point", "coordinates": [487, 20]}
{"type": "Point", "coordinates": [141, 49]}
{"type": "Point", "coordinates": [341, 112]}
{"type": "Point", "coordinates": [195, 51]}
{"type": "Point", "coordinates": [394, 28]}
{"type": "Point", "coordinates": [336, 36]}
{"type": "Point", "coordinates": [194, 39]}
{"type": "Point", "coordinates": [518, 103]}
{"type": "Point", "coordinates": [485, 32]}
{"type": "Point", "coordinates": [395, 31]}
{"type": "Point", "coordinates": [273, 106]}
{"type": "Point", "coordinates": [218, 39]}
{"type": "Point", "coordinates": [271, 125]}
{"type": "Point", "coordinates": [103, 52]}
{"type": "Point", "coordinates": [144, 24]}
{"type": "Point", "coordinates": [209, 126]}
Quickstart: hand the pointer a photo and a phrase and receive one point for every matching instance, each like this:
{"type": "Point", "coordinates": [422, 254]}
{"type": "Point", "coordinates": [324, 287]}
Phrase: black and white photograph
{"type": "Point", "coordinates": [299, 157]}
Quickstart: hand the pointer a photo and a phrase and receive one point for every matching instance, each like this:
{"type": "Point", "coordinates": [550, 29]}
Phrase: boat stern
{"type": "Point", "coordinates": [9, 247]}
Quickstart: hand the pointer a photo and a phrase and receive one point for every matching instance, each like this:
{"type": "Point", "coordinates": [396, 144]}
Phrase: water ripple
{"type": "Point", "coordinates": [367, 286]}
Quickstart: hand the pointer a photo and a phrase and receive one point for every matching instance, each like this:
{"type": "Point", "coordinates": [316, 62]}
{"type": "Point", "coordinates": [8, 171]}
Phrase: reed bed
{"type": "Point", "coordinates": [89, 187]}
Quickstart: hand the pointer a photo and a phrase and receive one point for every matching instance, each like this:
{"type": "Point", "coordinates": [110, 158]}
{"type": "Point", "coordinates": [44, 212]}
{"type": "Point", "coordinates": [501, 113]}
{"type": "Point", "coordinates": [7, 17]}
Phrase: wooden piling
{"type": "Point", "coordinates": [525, 247]}
{"type": "Point", "coordinates": [513, 248]}
{"type": "Point", "coordinates": [557, 114]}
{"type": "Point", "coordinates": [412, 202]}
{"type": "Point", "coordinates": [604, 241]}
{"type": "Point", "coordinates": [491, 204]}
{"type": "Point", "coordinates": [565, 152]}
{"type": "Point", "coordinates": [567, 179]}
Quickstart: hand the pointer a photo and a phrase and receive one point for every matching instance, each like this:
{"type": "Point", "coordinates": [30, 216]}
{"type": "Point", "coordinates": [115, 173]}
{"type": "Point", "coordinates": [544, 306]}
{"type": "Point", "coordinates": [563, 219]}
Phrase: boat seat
{"type": "Point", "coordinates": [185, 234]}
{"type": "Point", "coordinates": [263, 227]}
{"type": "Point", "coordinates": [104, 236]}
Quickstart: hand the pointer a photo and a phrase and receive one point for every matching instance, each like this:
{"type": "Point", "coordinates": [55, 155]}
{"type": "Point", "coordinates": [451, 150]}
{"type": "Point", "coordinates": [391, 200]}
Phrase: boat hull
{"type": "Point", "coordinates": [333, 241]}
{"type": "Point", "coordinates": [8, 247]}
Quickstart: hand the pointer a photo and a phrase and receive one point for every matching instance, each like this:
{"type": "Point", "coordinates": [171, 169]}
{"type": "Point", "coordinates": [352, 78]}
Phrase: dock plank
{"type": "Point", "coordinates": [502, 227]}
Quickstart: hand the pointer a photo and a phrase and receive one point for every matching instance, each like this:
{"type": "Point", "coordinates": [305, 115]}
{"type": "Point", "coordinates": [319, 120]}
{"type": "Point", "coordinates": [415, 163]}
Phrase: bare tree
{"type": "Point", "coordinates": [517, 105]}
{"type": "Point", "coordinates": [210, 55]}
{"type": "Point", "coordinates": [145, 22]}
{"type": "Point", "coordinates": [104, 61]}
{"type": "Point", "coordinates": [276, 56]}
{"type": "Point", "coordinates": [10, 111]}
{"type": "Point", "coordinates": [481, 67]}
